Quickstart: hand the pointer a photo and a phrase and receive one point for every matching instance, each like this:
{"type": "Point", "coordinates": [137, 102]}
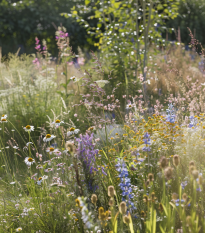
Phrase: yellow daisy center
{"type": "Point", "coordinates": [58, 121]}
{"type": "Point", "coordinates": [72, 129]}
{"type": "Point", "coordinates": [40, 178]}
{"type": "Point", "coordinates": [48, 135]}
{"type": "Point", "coordinates": [3, 115]}
{"type": "Point", "coordinates": [3, 120]}
{"type": "Point", "coordinates": [30, 159]}
{"type": "Point", "coordinates": [51, 149]}
{"type": "Point", "coordinates": [28, 127]}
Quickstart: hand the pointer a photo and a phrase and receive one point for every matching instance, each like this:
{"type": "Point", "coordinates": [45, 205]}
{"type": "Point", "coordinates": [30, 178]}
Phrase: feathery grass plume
{"type": "Point", "coordinates": [101, 210]}
{"type": "Point", "coordinates": [147, 183]}
{"type": "Point", "coordinates": [188, 221]}
{"type": "Point", "coordinates": [163, 162]}
{"type": "Point", "coordinates": [111, 202]}
{"type": "Point", "coordinates": [195, 174]}
{"type": "Point", "coordinates": [111, 191]}
{"type": "Point", "coordinates": [161, 209]}
{"type": "Point", "coordinates": [168, 172]}
{"type": "Point", "coordinates": [142, 214]}
{"type": "Point", "coordinates": [70, 147]}
{"type": "Point", "coordinates": [126, 219]}
{"type": "Point", "coordinates": [94, 199]}
{"type": "Point", "coordinates": [200, 181]}
{"type": "Point", "coordinates": [191, 169]}
{"type": "Point", "coordinates": [176, 160]}
{"type": "Point", "coordinates": [150, 177]}
{"type": "Point", "coordinates": [174, 196]}
{"type": "Point", "coordinates": [123, 207]}
{"type": "Point", "coordinates": [184, 196]}
{"type": "Point", "coordinates": [191, 163]}
{"type": "Point", "coordinates": [145, 198]}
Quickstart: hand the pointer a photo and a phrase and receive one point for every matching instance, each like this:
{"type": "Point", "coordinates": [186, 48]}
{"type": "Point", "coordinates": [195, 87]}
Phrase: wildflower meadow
{"type": "Point", "coordinates": [111, 142]}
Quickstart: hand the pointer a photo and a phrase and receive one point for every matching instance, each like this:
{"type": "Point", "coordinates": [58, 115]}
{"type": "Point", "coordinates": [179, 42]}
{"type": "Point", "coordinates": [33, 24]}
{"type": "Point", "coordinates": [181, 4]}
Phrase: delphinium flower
{"type": "Point", "coordinates": [147, 142]}
{"type": "Point", "coordinates": [87, 152]}
{"type": "Point", "coordinates": [125, 184]}
{"type": "Point", "coordinates": [193, 122]}
{"type": "Point", "coordinates": [48, 137]}
{"type": "Point", "coordinates": [72, 131]}
{"type": "Point", "coordinates": [170, 113]}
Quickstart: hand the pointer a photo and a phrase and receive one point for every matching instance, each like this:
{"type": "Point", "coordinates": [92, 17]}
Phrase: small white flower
{"type": "Point", "coordinates": [29, 161]}
{"type": "Point", "coordinates": [73, 78]}
{"type": "Point", "coordinates": [29, 128]}
{"type": "Point", "coordinates": [48, 137]}
{"type": "Point", "coordinates": [28, 143]}
{"type": "Point", "coordinates": [18, 229]}
{"type": "Point", "coordinates": [3, 120]}
{"type": "Point", "coordinates": [73, 131]}
{"type": "Point", "coordinates": [15, 147]}
{"type": "Point", "coordinates": [13, 182]}
{"type": "Point", "coordinates": [129, 106]}
{"type": "Point", "coordinates": [50, 150]}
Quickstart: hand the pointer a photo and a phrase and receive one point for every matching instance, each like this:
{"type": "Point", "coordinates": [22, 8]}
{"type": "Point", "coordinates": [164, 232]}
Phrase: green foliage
{"type": "Point", "coordinates": [191, 14]}
{"type": "Point", "coordinates": [22, 21]}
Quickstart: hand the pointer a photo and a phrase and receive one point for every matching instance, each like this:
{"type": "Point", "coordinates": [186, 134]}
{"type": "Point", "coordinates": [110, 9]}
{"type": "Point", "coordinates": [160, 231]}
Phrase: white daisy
{"type": "Point", "coordinates": [3, 117]}
{"type": "Point", "coordinates": [3, 120]}
{"type": "Point", "coordinates": [73, 78]}
{"type": "Point", "coordinates": [29, 128]}
{"type": "Point", "coordinates": [72, 131]}
{"type": "Point", "coordinates": [29, 161]}
{"type": "Point", "coordinates": [40, 179]}
{"type": "Point", "coordinates": [18, 229]}
{"type": "Point", "coordinates": [58, 123]}
{"type": "Point", "coordinates": [48, 137]}
{"type": "Point", "coordinates": [50, 150]}
{"type": "Point", "coordinates": [129, 106]}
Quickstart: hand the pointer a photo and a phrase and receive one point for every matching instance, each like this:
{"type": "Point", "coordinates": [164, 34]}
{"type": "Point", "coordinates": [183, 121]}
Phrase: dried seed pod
{"type": "Point", "coordinates": [163, 162]}
{"type": "Point", "coordinates": [168, 172]}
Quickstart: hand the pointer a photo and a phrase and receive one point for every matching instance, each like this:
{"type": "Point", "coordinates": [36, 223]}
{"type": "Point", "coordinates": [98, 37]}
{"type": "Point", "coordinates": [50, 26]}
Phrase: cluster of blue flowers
{"type": "Point", "coordinates": [87, 153]}
{"type": "Point", "coordinates": [125, 184]}
{"type": "Point", "coordinates": [193, 121]}
{"type": "Point", "coordinates": [147, 142]}
{"type": "Point", "coordinates": [170, 113]}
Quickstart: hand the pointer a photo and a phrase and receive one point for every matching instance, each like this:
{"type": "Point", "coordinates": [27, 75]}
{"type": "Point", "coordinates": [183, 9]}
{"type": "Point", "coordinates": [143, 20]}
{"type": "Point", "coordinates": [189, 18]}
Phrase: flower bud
{"type": "Point", "coordinates": [163, 162]}
{"type": "Point", "coordinates": [150, 177]}
{"type": "Point", "coordinates": [111, 202]}
{"type": "Point", "coordinates": [111, 191]}
{"type": "Point", "coordinates": [195, 174]}
{"type": "Point", "coordinates": [94, 199]}
{"type": "Point", "coordinates": [168, 173]}
{"type": "Point", "coordinates": [200, 181]}
{"type": "Point", "coordinates": [176, 160]}
{"type": "Point", "coordinates": [126, 219]}
{"type": "Point", "coordinates": [123, 207]}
